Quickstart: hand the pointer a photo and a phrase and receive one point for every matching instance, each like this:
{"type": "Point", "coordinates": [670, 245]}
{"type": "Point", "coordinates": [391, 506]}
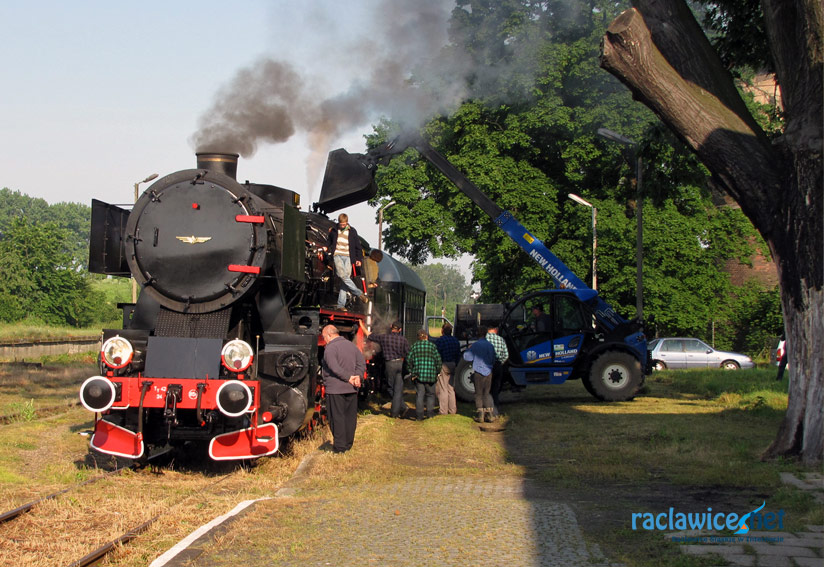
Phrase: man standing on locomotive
{"type": "Point", "coordinates": [342, 368]}
{"type": "Point", "coordinates": [345, 248]}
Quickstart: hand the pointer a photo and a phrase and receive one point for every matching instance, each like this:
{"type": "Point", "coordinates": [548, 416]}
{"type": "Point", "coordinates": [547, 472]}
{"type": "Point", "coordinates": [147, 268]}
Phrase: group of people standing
{"type": "Point", "coordinates": [431, 365]}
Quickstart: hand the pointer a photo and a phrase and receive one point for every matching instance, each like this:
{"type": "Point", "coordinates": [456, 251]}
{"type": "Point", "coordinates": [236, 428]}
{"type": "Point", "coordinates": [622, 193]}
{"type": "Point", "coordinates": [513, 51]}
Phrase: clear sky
{"type": "Point", "coordinates": [99, 94]}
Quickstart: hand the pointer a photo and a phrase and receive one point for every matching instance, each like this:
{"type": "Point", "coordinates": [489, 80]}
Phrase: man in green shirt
{"type": "Point", "coordinates": [501, 356]}
{"type": "Point", "coordinates": [424, 364]}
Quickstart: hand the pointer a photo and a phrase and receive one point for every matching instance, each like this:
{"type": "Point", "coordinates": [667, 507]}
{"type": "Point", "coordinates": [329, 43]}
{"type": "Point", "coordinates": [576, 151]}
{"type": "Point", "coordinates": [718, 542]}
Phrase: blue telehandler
{"type": "Point", "coordinates": [553, 335]}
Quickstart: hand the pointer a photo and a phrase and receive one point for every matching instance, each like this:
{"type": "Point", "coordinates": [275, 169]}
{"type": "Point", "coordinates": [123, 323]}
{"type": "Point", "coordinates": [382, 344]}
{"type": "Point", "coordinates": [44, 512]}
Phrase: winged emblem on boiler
{"type": "Point", "coordinates": [193, 239]}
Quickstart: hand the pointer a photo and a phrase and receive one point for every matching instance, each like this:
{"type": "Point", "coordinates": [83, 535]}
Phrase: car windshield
{"type": "Point", "coordinates": [652, 343]}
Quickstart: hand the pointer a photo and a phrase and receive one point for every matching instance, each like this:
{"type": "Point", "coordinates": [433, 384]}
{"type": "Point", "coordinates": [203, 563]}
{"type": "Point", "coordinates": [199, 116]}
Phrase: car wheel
{"type": "Point", "coordinates": [658, 366]}
{"type": "Point", "coordinates": [464, 387]}
{"type": "Point", "coordinates": [730, 365]}
{"type": "Point", "coordinates": [614, 377]}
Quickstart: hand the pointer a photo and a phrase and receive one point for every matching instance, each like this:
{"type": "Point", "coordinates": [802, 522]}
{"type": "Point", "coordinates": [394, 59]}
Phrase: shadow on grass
{"type": "Point", "coordinates": [687, 446]}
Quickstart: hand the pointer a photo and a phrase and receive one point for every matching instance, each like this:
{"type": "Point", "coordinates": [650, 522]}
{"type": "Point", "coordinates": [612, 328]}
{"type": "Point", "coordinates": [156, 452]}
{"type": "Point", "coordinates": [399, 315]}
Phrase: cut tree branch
{"type": "Point", "coordinates": [668, 64]}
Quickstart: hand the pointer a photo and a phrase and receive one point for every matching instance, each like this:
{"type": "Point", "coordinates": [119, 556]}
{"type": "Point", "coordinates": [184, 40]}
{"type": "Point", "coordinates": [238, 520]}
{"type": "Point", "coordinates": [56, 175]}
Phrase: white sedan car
{"type": "Point", "coordinates": [688, 353]}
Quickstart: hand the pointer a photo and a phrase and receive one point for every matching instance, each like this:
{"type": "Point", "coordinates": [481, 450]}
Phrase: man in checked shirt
{"type": "Point", "coordinates": [424, 364]}
{"type": "Point", "coordinates": [395, 347]}
{"type": "Point", "coordinates": [501, 355]}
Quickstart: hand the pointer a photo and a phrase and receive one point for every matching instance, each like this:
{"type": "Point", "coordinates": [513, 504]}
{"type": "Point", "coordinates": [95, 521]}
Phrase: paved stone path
{"type": "Point", "coordinates": [460, 522]}
{"type": "Point", "coordinates": [487, 521]}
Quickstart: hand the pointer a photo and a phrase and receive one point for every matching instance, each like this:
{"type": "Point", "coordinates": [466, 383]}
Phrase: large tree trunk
{"type": "Point", "coordinates": [659, 51]}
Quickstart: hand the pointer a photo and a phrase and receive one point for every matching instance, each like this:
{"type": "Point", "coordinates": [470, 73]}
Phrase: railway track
{"type": "Point", "coordinates": [12, 514]}
{"type": "Point", "coordinates": [154, 496]}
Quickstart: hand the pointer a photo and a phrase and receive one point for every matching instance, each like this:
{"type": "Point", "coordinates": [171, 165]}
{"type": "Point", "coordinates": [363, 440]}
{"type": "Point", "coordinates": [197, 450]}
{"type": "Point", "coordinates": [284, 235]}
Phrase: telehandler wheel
{"type": "Point", "coordinates": [614, 377]}
{"type": "Point", "coordinates": [464, 387]}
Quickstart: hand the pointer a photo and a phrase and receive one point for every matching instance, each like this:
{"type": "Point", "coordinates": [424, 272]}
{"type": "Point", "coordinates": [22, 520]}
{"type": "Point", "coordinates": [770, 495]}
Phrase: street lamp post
{"type": "Point", "coordinates": [639, 219]}
{"type": "Point", "coordinates": [380, 223]}
{"type": "Point", "coordinates": [581, 201]}
{"type": "Point", "coordinates": [435, 294]}
{"type": "Point", "coordinates": [136, 185]}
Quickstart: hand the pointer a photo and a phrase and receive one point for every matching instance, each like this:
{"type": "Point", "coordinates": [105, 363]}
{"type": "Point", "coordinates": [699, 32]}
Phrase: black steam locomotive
{"type": "Point", "coordinates": [223, 345]}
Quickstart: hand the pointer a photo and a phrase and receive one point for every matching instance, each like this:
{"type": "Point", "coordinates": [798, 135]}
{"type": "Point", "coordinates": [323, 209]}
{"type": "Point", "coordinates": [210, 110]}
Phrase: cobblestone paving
{"type": "Point", "coordinates": [765, 549]}
{"type": "Point", "coordinates": [469, 521]}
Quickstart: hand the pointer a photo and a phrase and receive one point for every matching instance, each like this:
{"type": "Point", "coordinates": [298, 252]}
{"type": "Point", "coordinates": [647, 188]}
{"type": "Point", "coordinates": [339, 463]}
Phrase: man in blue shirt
{"type": "Point", "coordinates": [450, 350]}
{"type": "Point", "coordinates": [482, 356]}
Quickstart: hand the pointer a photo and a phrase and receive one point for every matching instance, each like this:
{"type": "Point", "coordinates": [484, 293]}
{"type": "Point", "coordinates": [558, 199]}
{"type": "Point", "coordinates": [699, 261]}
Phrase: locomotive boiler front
{"type": "Point", "coordinates": [197, 240]}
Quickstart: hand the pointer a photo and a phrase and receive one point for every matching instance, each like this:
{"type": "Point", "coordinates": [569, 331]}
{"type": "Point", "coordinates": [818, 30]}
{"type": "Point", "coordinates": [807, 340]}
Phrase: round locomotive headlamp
{"type": "Point", "coordinates": [234, 398]}
{"type": "Point", "coordinates": [117, 352]}
{"type": "Point", "coordinates": [97, 394]}
{"type": "Point", "coordinates": [237, 355]}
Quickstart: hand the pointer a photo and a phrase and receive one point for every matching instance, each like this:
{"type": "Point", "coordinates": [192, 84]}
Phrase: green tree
{"type": "Point", "coordinates": [530, 152]}
{"type": "Point", "coordinates": [40, 279]}
{"type": "Point", "coordinates": [445, 286]}
{"type": "Point", "coordinates": [73, 217]}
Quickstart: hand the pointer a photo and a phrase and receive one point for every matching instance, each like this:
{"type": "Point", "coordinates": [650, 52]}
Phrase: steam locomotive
{"type": "Point", "coordinates": [222, 348]}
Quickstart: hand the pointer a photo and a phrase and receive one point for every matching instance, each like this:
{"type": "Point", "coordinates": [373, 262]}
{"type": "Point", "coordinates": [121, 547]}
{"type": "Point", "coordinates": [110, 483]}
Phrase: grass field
{"type": "Point", "coordinates": [691, 440]}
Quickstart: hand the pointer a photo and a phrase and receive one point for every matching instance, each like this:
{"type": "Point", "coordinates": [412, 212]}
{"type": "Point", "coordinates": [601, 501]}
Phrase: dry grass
{"type": "Point", "coordinates": [25, 330]}
{"type": "Point", "coordinates": [46, 387]}
{"type": "Point", "coordinates": [387, 450]}
{"type": "Point", "coordinates": [189, 511]}
{"type": "Point", "coordinates": [686, 433]}
{"type": "Point", "coordinates": [62, 530]}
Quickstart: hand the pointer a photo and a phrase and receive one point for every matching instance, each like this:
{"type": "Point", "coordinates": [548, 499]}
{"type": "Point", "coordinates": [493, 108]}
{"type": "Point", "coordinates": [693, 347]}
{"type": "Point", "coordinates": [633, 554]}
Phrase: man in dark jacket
{"type": "Point", "coordinates": [395, 347]}
{"type": "Point", "coordinates": [450, 350]}
{"type": "Point", "coordinates": [346, 251]}
{"type": "Point", "coordinates": [342, 368]}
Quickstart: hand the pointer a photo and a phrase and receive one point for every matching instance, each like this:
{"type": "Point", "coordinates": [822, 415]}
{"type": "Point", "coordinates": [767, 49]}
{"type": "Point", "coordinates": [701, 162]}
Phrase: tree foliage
{"type": "Point", "coordinates": [527, 138]}
{"type": "Point", "coordinates": [446, 287]}
{"type": "Point", "coordinates": [41, 280]}
{"type": "Point", "coordinates": [73, 217]}
{"type": "Point", "coordinates": [738, 33]}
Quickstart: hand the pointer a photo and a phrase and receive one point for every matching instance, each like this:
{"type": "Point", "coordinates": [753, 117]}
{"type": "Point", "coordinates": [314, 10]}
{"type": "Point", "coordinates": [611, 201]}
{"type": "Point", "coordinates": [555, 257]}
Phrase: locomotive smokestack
{"type": "Point", "coordinates": [223, 163]}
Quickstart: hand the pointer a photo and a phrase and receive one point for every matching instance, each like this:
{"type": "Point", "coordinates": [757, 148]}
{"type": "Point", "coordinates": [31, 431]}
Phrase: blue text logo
{"type": "Point", "coordinates": [709, 520]}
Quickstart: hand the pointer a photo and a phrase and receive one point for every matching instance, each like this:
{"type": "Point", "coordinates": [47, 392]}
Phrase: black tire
{"type": "Point", "coordinates": [658, 365]}
{"type": "Point", "coordinates": [589, 387]}
{"type": "Point", "coordinates": [614, 377]}
{"type": "Point", "coordinates": [464, 387]}
{"type": "Point", "coordinates": [730, 365]}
